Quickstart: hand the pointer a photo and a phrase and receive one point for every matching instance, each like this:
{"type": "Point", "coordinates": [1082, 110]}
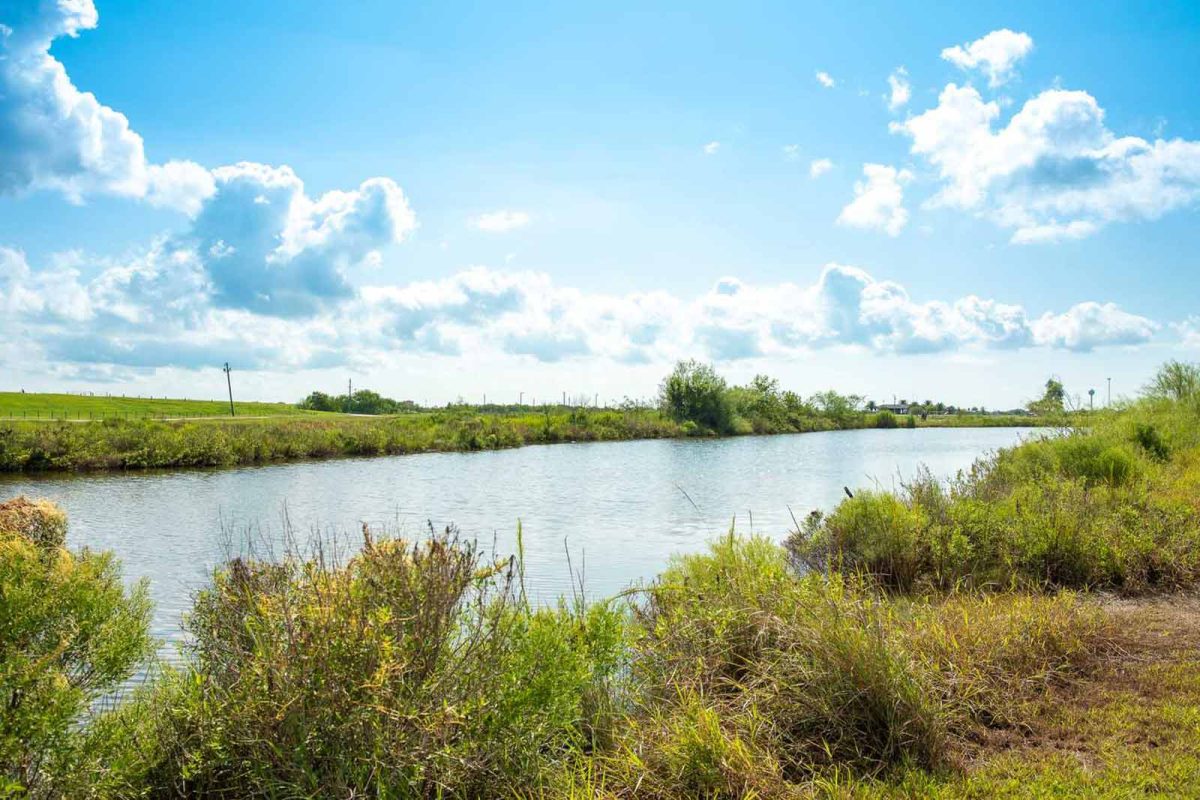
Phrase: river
{"type": "Point", "coordinates": [620, 508]}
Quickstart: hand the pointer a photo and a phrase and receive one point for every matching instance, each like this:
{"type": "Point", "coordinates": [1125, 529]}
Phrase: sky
{"type": "Point", "coordinates": [452, 200]}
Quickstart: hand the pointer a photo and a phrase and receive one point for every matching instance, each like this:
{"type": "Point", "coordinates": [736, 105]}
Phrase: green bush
{"type": "Point", "coordinates": [70, 633]}
{"type": "Point", "coordinates": [873, 532]}
{"type": "Point", "coordinates": [885, 419]}
{"type": "Point", "coordinates": [693, 392]}
{"type": "Point", "coordinates": [411, 671]}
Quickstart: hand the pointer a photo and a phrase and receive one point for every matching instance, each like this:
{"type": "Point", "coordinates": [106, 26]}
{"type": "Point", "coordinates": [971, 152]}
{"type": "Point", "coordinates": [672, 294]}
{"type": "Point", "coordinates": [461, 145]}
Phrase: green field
{"type": "Point", "coordinates": [21, 405]}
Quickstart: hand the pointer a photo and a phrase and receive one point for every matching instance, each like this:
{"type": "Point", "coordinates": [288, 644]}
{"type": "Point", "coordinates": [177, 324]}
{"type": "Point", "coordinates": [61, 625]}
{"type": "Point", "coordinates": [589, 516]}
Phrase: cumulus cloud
{"type": "Point", "coordinates": [501, 221]}
{"type": "Point", "coordinates": [54, 136]}
{"type": "Point", "coordinates": [819, 167]}
{"type": "Point", "coordinates": [161, 310]}
{"type": "Point", "coordinates": [268, 247]}
{"type": "Point", "coordinates": [1086, 326]}
{"type": "Point", "coordinates": [257, 241]}
{"type": "Point", "coordinates": [825, 79]}
{"type": "Point", "coordinates": [791, 152]}
{"type": "Point", "coordinates": [996, 55]}
{"type": "Point", "coordinates": [878, 202]}
{"type": "Point", "coordinates": [1054, 171]}
{"type": "Point", "coordinates": [901, 90]}
{"type": "Point", "coordinates": [711, 148]}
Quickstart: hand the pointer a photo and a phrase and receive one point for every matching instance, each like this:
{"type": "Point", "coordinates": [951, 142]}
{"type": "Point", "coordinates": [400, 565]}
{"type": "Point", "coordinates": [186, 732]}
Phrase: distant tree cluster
{"type": "Point", "coordinates": [364, 401]}
{"type": "Point", "coordinates": [694, 393]}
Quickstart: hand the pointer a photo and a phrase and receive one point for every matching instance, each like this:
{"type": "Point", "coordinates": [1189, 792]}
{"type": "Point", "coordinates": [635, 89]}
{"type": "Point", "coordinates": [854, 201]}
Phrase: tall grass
{"type": "Point", "coordinates": [116, 444]}
{"type": "Point", "coordinates": [412, 670]}
{"type": "Point", "coordinates": [1111, 507]}
{"type": "Point", "coordinates": [147, 444]}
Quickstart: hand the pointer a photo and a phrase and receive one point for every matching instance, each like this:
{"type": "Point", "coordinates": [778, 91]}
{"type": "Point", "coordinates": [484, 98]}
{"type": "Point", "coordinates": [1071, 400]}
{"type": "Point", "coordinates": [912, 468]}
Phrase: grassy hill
{"type": "Point", "coordinates": [18, 405]}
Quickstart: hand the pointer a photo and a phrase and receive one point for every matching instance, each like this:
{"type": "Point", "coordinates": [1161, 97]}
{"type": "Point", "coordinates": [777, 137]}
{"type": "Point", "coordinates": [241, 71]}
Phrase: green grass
{"type": "Point", "coordinates": [120, 444]}
{"type": "Point", "coordinates": [138, 443]}
{"type": "Point", "coordinates": [1112, 506]}
{"type": "Point", "coordinates": [39, 406]}
{"type": "Point", "coordinates": [928, 644]}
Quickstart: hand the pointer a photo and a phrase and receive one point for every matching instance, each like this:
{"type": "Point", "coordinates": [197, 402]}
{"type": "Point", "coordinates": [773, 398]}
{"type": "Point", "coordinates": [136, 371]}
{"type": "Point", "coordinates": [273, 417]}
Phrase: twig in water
{"type": "Point", "coordinates": [689, 498]}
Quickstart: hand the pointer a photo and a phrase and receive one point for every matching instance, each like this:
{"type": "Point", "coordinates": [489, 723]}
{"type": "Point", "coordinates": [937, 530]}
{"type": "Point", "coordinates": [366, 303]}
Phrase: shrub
{"type": "Point", "coordinates": [811, 656]}
{"type": "Point", "coordinates": [411, 671]}
{"type": "Point", "coordinates": [70, 633]}
{"type": "Point", "coordinates": [1150, 440]}
{"type": "Point", "coordinates": [694, 392]}
{"type": "Point", "coordinates": [1175, 380]}
{"type": "Point", "coordinates": [872, 532]}
{"type": "Point", "coordinates": [885, 419]}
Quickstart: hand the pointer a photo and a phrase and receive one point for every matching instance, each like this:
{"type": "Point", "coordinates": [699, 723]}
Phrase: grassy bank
{"type": "Point", "coordinates": [80, 407]}
{"type": "Point", "coordinates": [137, 433]}
{"type": "Point", "coordinates": [141, 444]}
{"type": "Point", "coordinates": [1029, 630]}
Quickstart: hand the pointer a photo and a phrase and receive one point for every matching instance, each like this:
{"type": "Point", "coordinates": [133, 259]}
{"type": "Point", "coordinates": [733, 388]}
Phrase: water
{"type": "Point", "coordinates": [621, 508]}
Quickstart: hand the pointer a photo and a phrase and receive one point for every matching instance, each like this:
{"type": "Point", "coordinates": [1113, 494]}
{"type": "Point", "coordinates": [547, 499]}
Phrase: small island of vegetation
{"type": "Point", "coordinates": [1030, 629]}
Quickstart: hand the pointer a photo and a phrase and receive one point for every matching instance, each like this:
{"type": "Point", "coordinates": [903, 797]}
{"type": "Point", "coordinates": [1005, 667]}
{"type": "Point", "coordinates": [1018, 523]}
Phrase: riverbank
{"type": "Point", "coordinates": [148, 444]}
{"type": "Point", "coordinates": [1030, 628]}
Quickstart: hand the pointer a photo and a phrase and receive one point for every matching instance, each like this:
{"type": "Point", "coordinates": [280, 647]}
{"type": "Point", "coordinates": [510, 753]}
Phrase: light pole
{"type": "Point", "coordinates": [229, 385]}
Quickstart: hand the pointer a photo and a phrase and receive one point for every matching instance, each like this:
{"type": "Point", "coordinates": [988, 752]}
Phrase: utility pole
{"type": "Point", "coordinates": [349, 395]}
{"type": "Point", "coordinates": [229, 385]}
{"type": "Point", "coordinates": [1109, 403]}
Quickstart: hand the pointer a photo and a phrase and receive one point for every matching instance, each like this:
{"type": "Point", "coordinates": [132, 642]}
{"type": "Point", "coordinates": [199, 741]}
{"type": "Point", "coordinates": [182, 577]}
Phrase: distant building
{"type": "Point", "coordinates": [895, 408]}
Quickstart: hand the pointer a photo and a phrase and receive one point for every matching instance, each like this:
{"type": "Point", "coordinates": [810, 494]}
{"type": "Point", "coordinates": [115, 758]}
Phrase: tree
{"type": "Point", "coordinates": [1051, 401]}
{"type": "Point", "coordinates": [838, 407]}
{"type": "Point", "coordinates": [1175, 380]}
{"type": "Point", "coordinates": [319, 401]}
{"type": "Point", "coordinates": [694, 392]}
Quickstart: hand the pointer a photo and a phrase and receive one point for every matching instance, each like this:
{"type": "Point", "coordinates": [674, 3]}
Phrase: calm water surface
{"type": "Point", "coordinates": [621, 508]}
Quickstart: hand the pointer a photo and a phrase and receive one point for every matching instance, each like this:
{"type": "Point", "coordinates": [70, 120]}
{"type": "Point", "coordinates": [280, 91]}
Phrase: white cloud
{"type": "Point", "coordinates": [165, 310]}
{"type": "Point", "coordinates": [711, 148]}
{"type": "Point", "coordinates": [996, 54]}
{"type": "Point", "coordinates": [1054, 232]}
{"type": "Point", "coordinates": [266, 246]}
{"type": "Point", "coordinates": [901, 90]}
{"type": "Point", "coordinates": [791, 152]}
{"type": "Point", "coordinates": [1188, 332]}
{"type": "Point", "coordinates": [502, 221]}
{"type": "Point", "coordinates": [819, 167]}
{"type": "Point", "coordinates": [825, 79]}
{"type": "Point", "coordinates": [1054, 171]}
{"type": "Point", "coordinates": [1086, 326]}
{"type": "Point", "coordinates": [53, 136]}
{"type": "Point", "coordinates": [878, 200]}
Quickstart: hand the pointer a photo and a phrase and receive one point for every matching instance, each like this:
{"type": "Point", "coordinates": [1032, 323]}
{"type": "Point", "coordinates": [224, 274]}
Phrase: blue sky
{"type": "Point", "coordinates": [453, 199]}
